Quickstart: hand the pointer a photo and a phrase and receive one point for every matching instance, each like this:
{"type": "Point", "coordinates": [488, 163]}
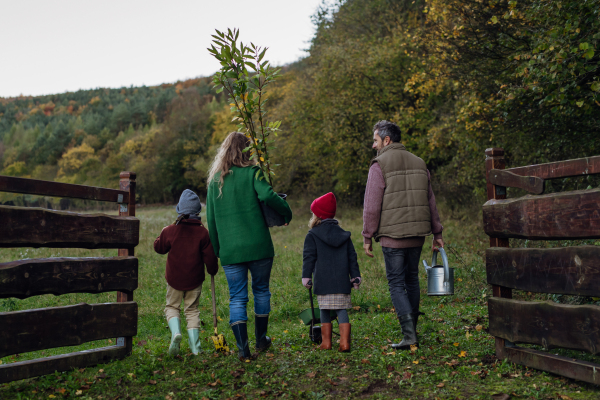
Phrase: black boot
{"type": "Point", "coordinates": [240, 331]}
{"type": "Point", "coordinates": [408, 330]}
{"type": "Point", "coordinates": [263, 342]}
{"type": "Point", "coordinates": [415, 316]}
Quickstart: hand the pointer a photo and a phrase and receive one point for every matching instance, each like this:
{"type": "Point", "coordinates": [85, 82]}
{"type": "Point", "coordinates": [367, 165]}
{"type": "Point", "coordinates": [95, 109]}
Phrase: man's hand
{"type": "Point", "coordinates": [368, 249]}
{"type": "Point", "coordinates": [437, 244]}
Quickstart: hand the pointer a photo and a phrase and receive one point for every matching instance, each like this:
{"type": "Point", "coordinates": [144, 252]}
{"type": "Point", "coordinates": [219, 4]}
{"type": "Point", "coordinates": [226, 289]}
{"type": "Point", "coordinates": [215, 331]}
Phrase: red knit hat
{"type": "Point", "coordinates": [324, 206]}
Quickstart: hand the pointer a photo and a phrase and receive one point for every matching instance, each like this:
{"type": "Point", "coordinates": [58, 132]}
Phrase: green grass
{"type": "Point", "coordinates": [294, 367]}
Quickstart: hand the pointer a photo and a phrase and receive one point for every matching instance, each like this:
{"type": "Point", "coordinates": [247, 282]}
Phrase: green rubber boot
{"type": "Point", "coordinates": [194, 339]}
{"type": "Point", "coordinates": [175, 336]}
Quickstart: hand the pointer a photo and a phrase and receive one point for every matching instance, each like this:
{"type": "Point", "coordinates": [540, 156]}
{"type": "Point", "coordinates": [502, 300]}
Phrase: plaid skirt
{"type": "Point", "coordinates": [338, 301]}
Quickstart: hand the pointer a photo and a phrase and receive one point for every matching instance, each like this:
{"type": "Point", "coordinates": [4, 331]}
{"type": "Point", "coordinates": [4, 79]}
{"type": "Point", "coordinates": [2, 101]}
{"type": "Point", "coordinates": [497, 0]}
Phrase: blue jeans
{"type": "Point", "coordinates": [237, 279]}
{"type": "Point", "coordinates": [402, 271]}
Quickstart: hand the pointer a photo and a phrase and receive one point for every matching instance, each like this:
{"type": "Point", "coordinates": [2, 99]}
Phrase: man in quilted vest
{"type": "Point", "coordinates": [399, 211]}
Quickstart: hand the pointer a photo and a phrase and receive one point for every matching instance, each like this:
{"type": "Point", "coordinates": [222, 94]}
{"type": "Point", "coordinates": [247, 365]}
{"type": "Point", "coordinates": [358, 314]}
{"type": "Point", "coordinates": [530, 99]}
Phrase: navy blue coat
{"type": "Point", "coordinates": [329, 258]}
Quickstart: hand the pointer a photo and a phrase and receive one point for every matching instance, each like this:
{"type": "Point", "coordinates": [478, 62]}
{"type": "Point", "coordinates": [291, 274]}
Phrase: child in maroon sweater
{"type": "Point", "coordinates": [189, 248]}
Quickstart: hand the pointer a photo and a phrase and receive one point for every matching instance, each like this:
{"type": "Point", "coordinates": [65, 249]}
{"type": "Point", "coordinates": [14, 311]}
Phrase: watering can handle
{"type": "Point", "coordinates": [445, 262]}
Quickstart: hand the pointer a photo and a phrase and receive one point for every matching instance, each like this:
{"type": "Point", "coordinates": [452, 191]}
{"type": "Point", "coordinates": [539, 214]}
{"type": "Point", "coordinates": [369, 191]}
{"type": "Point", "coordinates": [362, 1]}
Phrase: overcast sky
{"type": "Point", "coordinates": [54, 46]}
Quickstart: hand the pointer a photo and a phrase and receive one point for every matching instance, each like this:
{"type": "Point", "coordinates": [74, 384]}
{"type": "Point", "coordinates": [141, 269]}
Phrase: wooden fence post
{"type": "Point", "coordinates": [126, 182]}
{"type": "Point", "coordinates": [495, 160]}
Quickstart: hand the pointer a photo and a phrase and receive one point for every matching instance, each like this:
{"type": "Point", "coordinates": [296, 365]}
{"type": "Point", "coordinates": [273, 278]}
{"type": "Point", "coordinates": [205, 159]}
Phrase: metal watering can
{"type": "Point", "coordinates": [440, 278]}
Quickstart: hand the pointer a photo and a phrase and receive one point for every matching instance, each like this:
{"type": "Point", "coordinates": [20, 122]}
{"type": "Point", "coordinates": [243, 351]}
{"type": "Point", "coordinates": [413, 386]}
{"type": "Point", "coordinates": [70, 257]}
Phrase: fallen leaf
{"type": "Point", "coordinates": [286, 331]}
{"type": "Point", "coordinates": [331, 382]}
{"type": "Point", "coordinates": [356, 308]}
{"type": "Point", "coordinates": [432, 372]}
{"type": "Point", "coordinates": [141, 343]}
{"type": "Point", "coordinates": [85, 387]}
{"type": "Point", "coordinates": [193, 385]}
{"type": "Point", "coordinates": [415, 362]}
{"type": "Point", "coordinates": [501, 396]}
{"type": "Point", "coordinates": [152, 382]}
{"type": "Point", "coordinates": [79, 393]}
{"type": "Point", "coordinates": [173, 373]}
{"type": "Point", "coordinates": [413, 348]}
{"type": "Point", "coordinates": [311, 374]}
{"type": "Point", "coordinates": [363, 376]}
{"type": "Point", "coordinates": [61, 390]}
{"type": "Point", "coordinates": [454, 373]}
{"type": "Point", "coordinates": [564, 397]}
{"type": "Point", "coordinates": [463, 354]}
{"type": "Point", "coordinates": [456, 344]}
{"type": "Point", "coordinates": [365, 361]}
{"type": "Point", "coordinates": [478, 328]}
{"type": "Point", "coordinates": [390, 368]}
{"type": "Point", "coordinates": [441, 385]}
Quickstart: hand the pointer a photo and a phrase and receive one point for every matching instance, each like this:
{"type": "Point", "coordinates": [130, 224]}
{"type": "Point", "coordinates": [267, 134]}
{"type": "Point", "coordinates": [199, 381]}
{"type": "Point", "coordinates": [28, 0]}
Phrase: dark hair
{"type": "Point", "coordinates": [386, 128]}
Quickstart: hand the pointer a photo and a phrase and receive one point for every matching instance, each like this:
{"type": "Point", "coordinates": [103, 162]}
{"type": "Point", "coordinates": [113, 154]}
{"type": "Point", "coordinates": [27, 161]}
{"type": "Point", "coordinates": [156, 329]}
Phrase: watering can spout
{"type": "Point", "coordinates": [427, 267]}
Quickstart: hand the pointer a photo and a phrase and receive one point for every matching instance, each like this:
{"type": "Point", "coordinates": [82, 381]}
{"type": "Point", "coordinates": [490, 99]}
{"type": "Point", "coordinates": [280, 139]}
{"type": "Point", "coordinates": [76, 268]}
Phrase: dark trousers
{"type": "Point", "coordinates": [402, 271]}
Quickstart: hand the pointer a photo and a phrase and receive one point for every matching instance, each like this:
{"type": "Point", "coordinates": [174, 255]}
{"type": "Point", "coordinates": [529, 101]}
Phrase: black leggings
{"type": "Point", "coordinates": [342, 316]}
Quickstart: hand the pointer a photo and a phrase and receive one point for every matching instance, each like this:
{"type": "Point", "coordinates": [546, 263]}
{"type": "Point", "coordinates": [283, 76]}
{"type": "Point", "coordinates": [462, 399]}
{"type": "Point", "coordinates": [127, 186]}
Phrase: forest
{"type": "Point", "coordinates": [458, 76]}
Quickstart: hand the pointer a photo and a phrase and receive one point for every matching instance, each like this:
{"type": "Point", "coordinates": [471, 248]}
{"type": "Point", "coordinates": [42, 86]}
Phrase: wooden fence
{"type": "Point", "coordinates": [571, 270]}
{"type": "Point", "coordinates": [39, 329]}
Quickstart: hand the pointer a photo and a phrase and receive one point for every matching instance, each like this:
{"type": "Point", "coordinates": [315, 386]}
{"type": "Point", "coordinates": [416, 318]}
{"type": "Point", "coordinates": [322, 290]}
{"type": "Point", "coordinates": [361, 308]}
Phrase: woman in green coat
{"type": "Point", "coordinates": [240, 237]}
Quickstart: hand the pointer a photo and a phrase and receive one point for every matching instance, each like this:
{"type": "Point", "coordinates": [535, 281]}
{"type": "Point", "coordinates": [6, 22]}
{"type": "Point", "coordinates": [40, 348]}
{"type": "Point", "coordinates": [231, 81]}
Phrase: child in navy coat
{"type": "Point", "coordinates": [329, 261]}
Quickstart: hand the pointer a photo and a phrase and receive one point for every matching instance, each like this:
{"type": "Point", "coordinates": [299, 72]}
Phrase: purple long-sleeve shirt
{"type": "Point", "coordinates": [372, 213]}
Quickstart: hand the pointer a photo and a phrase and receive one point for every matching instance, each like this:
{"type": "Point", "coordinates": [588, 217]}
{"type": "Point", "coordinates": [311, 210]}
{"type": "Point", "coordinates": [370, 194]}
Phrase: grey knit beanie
{"type": "Point", "coordinates": [189, 203]}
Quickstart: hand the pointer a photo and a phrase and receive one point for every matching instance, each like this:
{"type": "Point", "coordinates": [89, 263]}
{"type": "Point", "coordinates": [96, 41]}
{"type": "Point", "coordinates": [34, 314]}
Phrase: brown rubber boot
{"type": "Point", "coordinates": [326, 336]}
{"type": "Point", "coordinates": [344, 337]}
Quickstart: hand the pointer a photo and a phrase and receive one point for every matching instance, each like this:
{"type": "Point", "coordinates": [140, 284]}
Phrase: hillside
{"type": "Point", "coordinates": [457, 76]}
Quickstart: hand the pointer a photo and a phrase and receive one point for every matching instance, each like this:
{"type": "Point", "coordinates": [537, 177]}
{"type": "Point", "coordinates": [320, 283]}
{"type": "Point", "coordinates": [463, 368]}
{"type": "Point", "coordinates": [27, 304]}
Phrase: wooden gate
{"type": "Point", "coordinates": [571, 270]}
{"type": "Point", "coordinates": [39, 329]}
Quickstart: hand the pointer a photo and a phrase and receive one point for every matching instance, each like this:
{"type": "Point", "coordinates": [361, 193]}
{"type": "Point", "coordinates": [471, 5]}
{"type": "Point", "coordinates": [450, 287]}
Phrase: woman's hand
{"type": "Point", "coordinates": [356, 282]}
{"type": "Point", "coordinates": [307, 282]}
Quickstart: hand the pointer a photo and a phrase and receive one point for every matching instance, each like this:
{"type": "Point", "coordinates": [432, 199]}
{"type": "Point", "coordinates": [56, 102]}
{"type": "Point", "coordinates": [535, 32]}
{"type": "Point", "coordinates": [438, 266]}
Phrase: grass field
{"type": "Point", "coordinates": [455, 359]}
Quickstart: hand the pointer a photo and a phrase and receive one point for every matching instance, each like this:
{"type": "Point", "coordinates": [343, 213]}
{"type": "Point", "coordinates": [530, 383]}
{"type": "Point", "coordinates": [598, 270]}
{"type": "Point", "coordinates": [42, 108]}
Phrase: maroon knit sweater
{"type": "Point", "coordinates": [372, 213]}
{"type": "Point", "coordinates": [189, 248]}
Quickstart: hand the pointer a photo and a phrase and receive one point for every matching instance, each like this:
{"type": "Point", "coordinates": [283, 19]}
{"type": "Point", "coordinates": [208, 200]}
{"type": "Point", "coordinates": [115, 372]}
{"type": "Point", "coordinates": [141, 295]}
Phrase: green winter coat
{"type": "Point", "coordinates": [235, 222]}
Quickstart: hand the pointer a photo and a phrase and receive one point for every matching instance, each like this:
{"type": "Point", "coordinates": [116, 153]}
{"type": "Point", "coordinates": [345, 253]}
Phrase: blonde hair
{"type": "Point", "coordinates": [230, 153]}
{"type": "Point", "coordinates": [314, 221]}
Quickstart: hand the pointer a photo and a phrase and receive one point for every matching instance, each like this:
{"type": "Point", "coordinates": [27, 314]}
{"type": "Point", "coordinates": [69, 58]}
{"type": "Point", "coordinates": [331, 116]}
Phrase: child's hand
{"type": "Point", "coordinates": [356, 282]}
{"type": "Point", "coordinates": [307, 283]}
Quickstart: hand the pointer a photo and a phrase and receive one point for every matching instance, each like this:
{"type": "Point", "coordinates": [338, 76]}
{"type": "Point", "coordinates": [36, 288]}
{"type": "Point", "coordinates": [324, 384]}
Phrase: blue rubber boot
{"type": "Point", "coordinates": [175, 336]}
{"type": "Point", "coordinates": [263, 342]}
{"type": "Point", "coordinates": [240, 331]}
{"type": "Point", "coordinates": [194, 339]}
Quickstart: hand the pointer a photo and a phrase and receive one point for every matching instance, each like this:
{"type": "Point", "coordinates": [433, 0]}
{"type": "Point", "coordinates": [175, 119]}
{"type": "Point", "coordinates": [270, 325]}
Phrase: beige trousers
{"type": "Point", "coordinates": [190, 305]}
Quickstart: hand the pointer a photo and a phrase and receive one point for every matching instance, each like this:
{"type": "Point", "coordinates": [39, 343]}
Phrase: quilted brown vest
{"type": "Point", "coordinates": [405, 209]}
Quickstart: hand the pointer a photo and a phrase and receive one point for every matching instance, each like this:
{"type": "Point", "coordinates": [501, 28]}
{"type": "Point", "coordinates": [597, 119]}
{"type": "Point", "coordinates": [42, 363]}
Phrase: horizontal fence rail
{"type": "Point", "coordinates": [64, 362]}
{"type": "Point", "coordinates": [565, 366]}
{"type": "Point", "coordinates": [46, 328]}
{"type": "Point", "coordinates": [565, 215]}
{"type": "Point", "coordinates": [565, 270]}
{"type": "Point", "coordinates": [561, 169]}
{"type": "Point", "coordinates": [531, 184]}
{"type": "Point", "coordinates": [38, 227]}
{"type": "Point", "coordinates": [58, 189]}
{"type": "Point", "coordinates": [33, 277]}
{"type": "Point", "coordinates": [547, 324]}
